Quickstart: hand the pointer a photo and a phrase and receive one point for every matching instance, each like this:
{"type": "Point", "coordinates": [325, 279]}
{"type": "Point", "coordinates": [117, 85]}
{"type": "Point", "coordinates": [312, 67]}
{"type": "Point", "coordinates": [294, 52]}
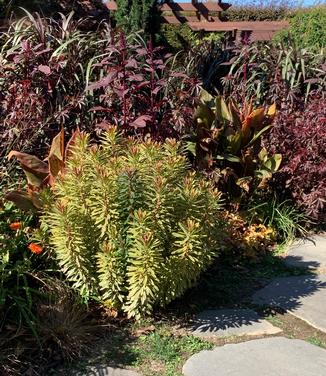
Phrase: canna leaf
{"type": "Point", "coordinates": [256, 117]}
{"type": "Point", "coordinates": [272, 111]}
{"type": "Point", "coordinates": [56, 155]}
{"type": "Point", "coordinates": [235, 142]}
{"type": "Point", "coordinates": [22, 200]}
{"type": "Point", "coordinates": [71, 143]}
{"type": "Point", "coordinates": [244, 183]}
{"type": "Point", "coordinates": [191, 147]}
{"type": "Point", "coordinates": [263, 155]}
{"type": "Point", "coordinates": [274, 162]}
{"type": "Point", "coordinates": [229, 157]}
{"type": "Point", "coordinates": [222, 112]}
{"type": "Point", "coordinates": [205, 97]}
{"type": "Point", "coordinates": [235, 115]}
{"type": "Point", "coordinates": [258, 135]}
{"type": "Point", "coordinates": [204, 115]}
{"type": "Point", "coordinates": [35, 169]}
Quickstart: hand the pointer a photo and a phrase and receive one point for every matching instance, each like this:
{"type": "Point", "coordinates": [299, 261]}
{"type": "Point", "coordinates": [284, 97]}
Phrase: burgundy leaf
{"type": "Point", "coordinates": [132, 63]}
{"type": "Point", "coordinates": [141, 121]}
{"type": "Point", "coordinates": [136, 77]}
{"type": "Point", "coordinates": [156, 90]}
{"type": "Point", "coordinates": [178, 74]}
{"type": "Point", "coordinates": [25, 45]}
{"type": "Point", "coordinates": [158, 62]}
{"type": "Point", "coordinates": [104, 82]}
{"type": "Point", "coordinates": [18, 58]}
{"type": "Point", "coordinates": [38, 53]}
{"type": "Point", "coordinates": [103, 125]}
{"type": "Point", "coordinates": [44, 69]}
{"type": "Point", "coordinates": [143, 84]}
{"type": "Point", "coordinates": [99, 108]}
{"type": "Point", "coordinates": [311, 81]}
{"type": "Point", "coordinates": [120, 92]}
{"type": "Point", "coordinates": [141, 51]}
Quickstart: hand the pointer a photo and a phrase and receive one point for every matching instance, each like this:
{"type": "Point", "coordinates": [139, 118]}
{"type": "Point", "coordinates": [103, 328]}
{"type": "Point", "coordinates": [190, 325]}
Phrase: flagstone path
{"type": "Point", "coordinates": [302, 296]}
{"type": "Point", "coordinates": [230, 322]}
{"type": "Point", "coordinates": [308, 253]}
{"type": "Point", "coordinates": [263, 357]}
{"type": "Point", "coordinates": [107, 371]}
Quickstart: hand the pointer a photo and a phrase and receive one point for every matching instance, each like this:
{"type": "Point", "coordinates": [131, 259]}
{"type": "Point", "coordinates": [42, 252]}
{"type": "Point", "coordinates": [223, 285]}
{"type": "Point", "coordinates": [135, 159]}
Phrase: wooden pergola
{"type": "Point", "coordinates": [206, 17]}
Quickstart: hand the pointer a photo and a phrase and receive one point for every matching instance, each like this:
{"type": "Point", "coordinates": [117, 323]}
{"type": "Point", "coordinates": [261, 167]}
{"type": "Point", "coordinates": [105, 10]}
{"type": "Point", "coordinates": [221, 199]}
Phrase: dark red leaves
{"type": "Point", "coordinates": [141, 121]}
{"type": "Point", "coordinates": [104, 82]}
{"type": "Point", "coordinates": [132, 96]}
{"type": "Point", "coordinates": [44, 69]}
{"type": "Point", "coordinates": [301, 139]}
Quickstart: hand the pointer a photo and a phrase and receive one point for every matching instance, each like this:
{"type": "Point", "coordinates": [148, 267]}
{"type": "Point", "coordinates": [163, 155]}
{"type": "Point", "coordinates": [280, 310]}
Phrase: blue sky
{"type": "Point", "coordinates": [234, 2]}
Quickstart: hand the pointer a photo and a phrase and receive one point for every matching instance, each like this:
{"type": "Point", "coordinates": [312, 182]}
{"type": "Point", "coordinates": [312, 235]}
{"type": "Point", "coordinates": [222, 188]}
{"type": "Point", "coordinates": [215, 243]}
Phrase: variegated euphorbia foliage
{"type": "Point", "coordinates": [130, 224]}
{"type": "Point", "coordinates": [228, 141]}
{"type": "Point", "coordinates": [40, 174]}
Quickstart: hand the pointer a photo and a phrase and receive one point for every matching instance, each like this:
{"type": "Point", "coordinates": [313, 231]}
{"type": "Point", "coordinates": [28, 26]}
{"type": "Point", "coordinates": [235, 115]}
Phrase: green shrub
{"type": "Point", "coordinates": [16, 266]}
{"type": "Point", "coordinates": [133, 16]}
{"type": "Point", "coordinates": [130, 225]}
{"type": "Point", "coordinates": [256, 13]}
{"type": "Point", "coordinates": [177, 37]}
{"type": "Point", "coordinates": [307, 28]}
{"type": "Point", "coordinates": [181, 37]}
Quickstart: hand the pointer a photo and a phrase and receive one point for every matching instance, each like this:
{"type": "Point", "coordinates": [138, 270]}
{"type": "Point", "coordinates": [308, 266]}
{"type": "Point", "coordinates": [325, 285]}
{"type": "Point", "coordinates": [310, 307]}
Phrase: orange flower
{"type": "Point", "coordinates": [35, 248]}
{"type": "Point", "coordinates": [15, 226]}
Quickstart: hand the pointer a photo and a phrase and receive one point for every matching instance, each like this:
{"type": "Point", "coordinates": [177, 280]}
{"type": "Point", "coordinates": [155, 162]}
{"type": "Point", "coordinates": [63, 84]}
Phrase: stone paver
{"type": "Point", "coordinates": [231, 322]}
{"type": "Point", "coordinates": [308, 253]}
{"type": "Point", "coordinates": [263, 357]}
{"type": "Point", "coordinates": [107, 371]}
{"type": "Point", "coordinates": [303, 296]}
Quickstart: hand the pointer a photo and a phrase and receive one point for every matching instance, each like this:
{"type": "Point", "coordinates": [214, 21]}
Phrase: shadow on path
{"type": "Point", "coordinates": [299, 262]}
{"type": "Point", "coordinates": [288, 293]}
{"type": "Point", "coordinates": [230, 288]}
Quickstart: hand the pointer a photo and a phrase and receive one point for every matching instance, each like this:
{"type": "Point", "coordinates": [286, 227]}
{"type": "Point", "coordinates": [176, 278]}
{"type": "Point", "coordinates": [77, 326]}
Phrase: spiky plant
{"type": "Point", "coordinates": [130, 224]}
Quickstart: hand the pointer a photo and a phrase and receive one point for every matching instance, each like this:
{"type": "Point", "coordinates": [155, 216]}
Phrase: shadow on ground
{"type": "Point", "coordinates": [227, 322]}
{"type": "Point", "coordinates": [299, 262]}
{"type": "Point", "coordinates": [226, 285]}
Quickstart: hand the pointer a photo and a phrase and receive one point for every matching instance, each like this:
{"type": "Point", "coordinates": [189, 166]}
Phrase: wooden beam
{"type": "Point", "coordinates": [259, 26]}
{"type": "Point", "coordinates": [182, 7]}
{"type": "Point", "coordinates": [170, 20]}
{"type": "Point", "coordinates": [178, 7]}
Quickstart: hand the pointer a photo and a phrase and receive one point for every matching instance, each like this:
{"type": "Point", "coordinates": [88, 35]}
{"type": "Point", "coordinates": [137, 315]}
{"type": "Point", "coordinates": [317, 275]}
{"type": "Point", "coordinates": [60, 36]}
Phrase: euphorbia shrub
{"type": "Point", "coordinates": [130, 224]}
{"type": "Point", "coordinates": [301, 139]}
